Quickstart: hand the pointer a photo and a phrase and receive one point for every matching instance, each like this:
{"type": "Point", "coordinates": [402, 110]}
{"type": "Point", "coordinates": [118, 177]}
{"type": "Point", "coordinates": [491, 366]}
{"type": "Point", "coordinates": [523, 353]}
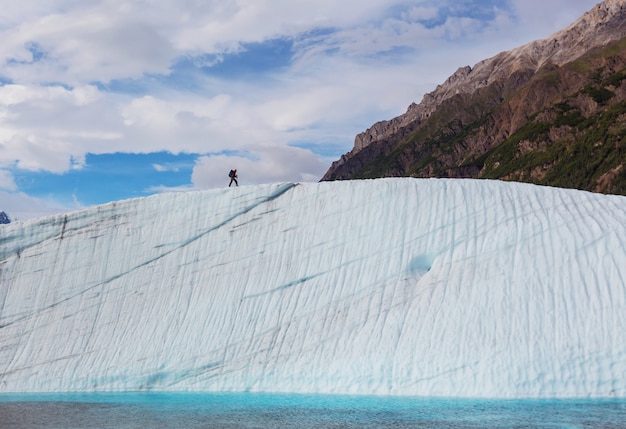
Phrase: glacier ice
{"type": "Point", "coordinates": [430, 287]}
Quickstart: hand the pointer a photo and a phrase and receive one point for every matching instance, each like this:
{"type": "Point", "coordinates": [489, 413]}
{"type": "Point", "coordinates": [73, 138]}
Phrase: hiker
{"type": "Point", "coordinates": [233, 177]}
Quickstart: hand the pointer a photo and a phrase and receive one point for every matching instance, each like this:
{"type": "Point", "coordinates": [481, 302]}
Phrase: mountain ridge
{"type": "Point", "coordinates": [471, 97]}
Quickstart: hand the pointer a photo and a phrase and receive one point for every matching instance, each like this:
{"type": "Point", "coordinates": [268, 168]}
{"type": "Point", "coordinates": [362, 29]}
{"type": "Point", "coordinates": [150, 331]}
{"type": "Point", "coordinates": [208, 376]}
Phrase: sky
{"type": "Point", "coordinates": [104, 100]}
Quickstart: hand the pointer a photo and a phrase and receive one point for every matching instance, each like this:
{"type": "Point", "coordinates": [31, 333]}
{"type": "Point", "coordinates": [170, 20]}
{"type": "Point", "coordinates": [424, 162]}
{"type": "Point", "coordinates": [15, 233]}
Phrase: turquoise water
{"type": "Point", "coordinates": [189, 411]}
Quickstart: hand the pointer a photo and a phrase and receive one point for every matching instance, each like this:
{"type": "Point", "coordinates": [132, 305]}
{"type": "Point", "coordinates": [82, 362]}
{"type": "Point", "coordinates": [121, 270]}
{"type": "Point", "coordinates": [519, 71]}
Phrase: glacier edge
{"type": "Point", "coordinates": [431, 287]}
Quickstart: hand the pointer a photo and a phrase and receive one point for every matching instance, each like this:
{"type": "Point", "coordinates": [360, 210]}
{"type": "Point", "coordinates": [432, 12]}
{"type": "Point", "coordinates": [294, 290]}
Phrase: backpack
{"type": "Point", "coordinates": [231, 174]}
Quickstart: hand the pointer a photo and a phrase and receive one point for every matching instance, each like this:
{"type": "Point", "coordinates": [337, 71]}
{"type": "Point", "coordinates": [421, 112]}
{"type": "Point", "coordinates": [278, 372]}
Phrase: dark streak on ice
{"type": "Point", "coordinates": [281, 190]}
{"type": "Point", "coordinates": [283, 287]}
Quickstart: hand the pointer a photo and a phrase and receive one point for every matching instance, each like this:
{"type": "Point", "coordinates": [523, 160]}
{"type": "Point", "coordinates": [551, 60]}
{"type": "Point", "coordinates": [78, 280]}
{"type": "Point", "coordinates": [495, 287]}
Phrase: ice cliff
{"type": "Point", "coordinates": [392, 286]}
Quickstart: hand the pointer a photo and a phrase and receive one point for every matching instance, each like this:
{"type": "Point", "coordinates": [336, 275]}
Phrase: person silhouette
{"type": "Point", "coordinates": [233, 177]}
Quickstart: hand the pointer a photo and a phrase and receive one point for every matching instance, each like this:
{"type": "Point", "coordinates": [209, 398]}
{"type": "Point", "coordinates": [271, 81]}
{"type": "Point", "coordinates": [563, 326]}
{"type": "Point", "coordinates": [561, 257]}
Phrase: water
{"type": "Point", "coordinates": [190, 411]}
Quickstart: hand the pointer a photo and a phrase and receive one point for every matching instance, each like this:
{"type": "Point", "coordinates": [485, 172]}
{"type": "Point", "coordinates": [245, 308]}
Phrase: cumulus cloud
{"type": "Point", "coordinates": [91, 41]}
{"type": "Point", "coordinates": [44, 127]}
{"type": "Point", "coordinates": [20, 206]}
{"type": "Point", "coordinates": [107, 76]}
{"type": "Point", "coordinates": [6, 181]}
{"type": "Point", "coordinates": [259, 164]}
{"type": "Point", "coordinates": [549, 17]}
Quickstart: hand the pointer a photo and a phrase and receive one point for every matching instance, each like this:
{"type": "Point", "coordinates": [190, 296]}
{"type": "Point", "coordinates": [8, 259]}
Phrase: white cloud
{"type": "Point", "coordinates": [103, 40]}
{"type": "Point", "coordinates": [262, 164]}
{"type": "Point", "coordinates": [18, 94]}
{"type": "Point", "coordinates": [417, 13]}
{"type": "Point", "coordinates": [33, 154]}
{"type": "Point", "coordinates": [354, 63]}
{"type": "Point", "coordinates": [164, 168]}
{"type": "Point", "coordinates": [226, 24]}
{"type": "Point", "coordinates": [549, 17]}
{"type": "Point", "coordinates": [84, 44]}
{"type": "Point", "coordinates": [43, 128]}
{"type": "Point", "coordinates": [20, 206]}
{"type": "Point", "coordinates": [81, 42]}
{"type": "Point", "coordinates": [6, 181]}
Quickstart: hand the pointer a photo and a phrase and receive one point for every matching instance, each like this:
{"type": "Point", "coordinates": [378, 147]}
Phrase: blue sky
{"type": "Point", "coordinates": [105, 100]}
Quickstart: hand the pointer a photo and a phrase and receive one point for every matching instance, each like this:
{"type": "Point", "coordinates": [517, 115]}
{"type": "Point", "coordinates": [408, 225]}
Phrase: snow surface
{"type": "Point", "coordinates": [432, 287]}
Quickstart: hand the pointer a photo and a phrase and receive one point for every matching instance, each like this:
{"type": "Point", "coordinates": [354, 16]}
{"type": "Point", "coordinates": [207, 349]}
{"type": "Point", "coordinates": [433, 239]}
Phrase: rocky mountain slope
{"type": "Point", "coordinates": [550, 112]}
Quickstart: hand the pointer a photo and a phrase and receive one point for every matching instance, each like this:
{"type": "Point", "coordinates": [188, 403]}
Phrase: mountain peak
{"type": "Point", "coordinates": [500, 75]}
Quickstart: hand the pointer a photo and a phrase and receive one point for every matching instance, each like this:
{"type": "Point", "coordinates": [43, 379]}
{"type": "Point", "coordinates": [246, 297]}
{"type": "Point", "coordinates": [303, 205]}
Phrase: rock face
{"type": "Point", "coordinates": [4, 218]}
{"type": "Point", "coordinates": [544, 100]}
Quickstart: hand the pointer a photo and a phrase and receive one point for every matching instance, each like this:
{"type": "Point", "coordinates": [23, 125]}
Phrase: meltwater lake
{"type": "Point", "coordinates": [182, 410]}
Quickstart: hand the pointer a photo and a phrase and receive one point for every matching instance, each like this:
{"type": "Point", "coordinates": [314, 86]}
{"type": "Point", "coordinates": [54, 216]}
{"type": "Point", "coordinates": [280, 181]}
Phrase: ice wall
{"type": "Point", "coordinates": [392, 286]}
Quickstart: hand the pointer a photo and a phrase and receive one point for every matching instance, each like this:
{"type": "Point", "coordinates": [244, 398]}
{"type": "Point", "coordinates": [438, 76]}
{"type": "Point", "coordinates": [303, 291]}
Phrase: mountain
{"type": "Point", "coordinates": [431, 287]}
{"type": "Point", "coordinates": [4, 218]}
{"type": "Point", "coordinates": [552, 112]}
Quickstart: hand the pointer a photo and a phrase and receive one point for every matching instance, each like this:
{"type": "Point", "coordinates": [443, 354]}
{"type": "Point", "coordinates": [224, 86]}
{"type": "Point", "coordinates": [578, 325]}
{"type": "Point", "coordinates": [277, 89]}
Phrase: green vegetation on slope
{"type": "Point", "coordinates": [561, 126]}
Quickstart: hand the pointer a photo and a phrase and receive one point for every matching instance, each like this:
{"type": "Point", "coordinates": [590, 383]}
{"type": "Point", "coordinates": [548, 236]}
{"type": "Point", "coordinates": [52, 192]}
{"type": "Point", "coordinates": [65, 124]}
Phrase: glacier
{"type": "Point", "coordinates": [426, 287]}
